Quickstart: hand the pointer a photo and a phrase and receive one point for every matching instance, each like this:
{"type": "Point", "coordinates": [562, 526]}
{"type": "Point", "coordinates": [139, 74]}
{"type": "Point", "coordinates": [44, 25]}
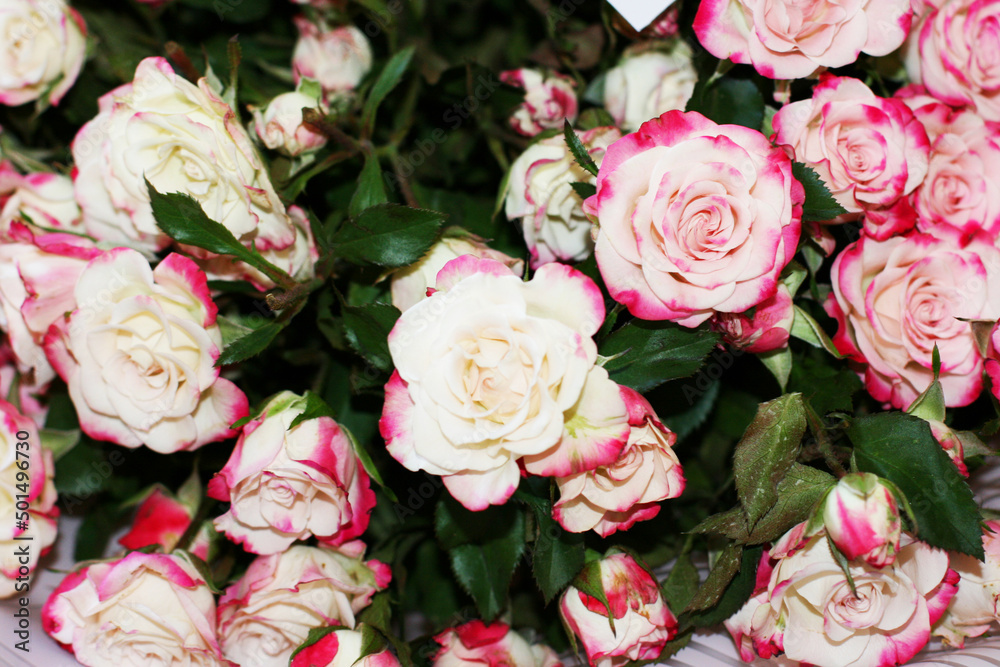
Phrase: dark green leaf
{"type": "Point", "coordinates": [367, 331]}
{"type": "Point", "coordinates": [578, 150]}
{"type": "Point", "coordinates": [730, 101]}
{"type": "Point", "coordinates": [558, 555]}
{"type": "Point", "coordinates": [387, 235]}
{"type": "Point", "coordinates": [685, 423]}
{"type": "Point", "coordinates": [681, 584]}
{"type": "Point", "coordinates": [736, 593]}
{"type": "Point", "coordinates": [371, 188]}
{"type": "Point", "coordinates": [388, 79]}
{"type": "Point", "coordinates": [584, 190]}
{"type": "Point", "coordinates": [378, 613]}
{"type": "Point", "coordinates": [900, 448]}
{"type": "Point", "coordinates": [820, 205]}
{"type": "Point", "coordinates": [766, 452]}
{"type": "Point", "coordinates": [250, 345]}
{"type": "Point", "coordinates": [95, 532]}
{"type": "Point", "coordinates": [721, 574]}
{"type": "Point", "coordinates": [824, 383]}
{"type": "Point", "coordinates": [655, 352]}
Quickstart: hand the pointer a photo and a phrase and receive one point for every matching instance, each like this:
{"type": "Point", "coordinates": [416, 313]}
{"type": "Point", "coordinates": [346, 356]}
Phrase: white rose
{"type": "Point", "coordinates": [145, 609]}
{"type": "Point", "coordinates": [280, 126]}
{"type": "Point", "coordinates": [43, 50]}
{"type": "Point", "coordinates": [974, 608]}
{"type": "Point", "coordinates": [138, 355]}
{"type": "Point", "coordinates": [182, 138]}
{"type": "Point", "coordinates": [41, 199]}
{"type": "Point", "coordinates": [338, 58]}
{"type": "Point", "coordinates": [541, 194]}
{"type": "Point", "coordinates": [645, 85]}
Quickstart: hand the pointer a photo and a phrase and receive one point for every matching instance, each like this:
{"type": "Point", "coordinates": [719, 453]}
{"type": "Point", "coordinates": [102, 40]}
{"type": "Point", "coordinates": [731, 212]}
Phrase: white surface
{"type": "Point", "coordinates": [640, 13]}
{"type": "Point", "coordinates": [706, 649]}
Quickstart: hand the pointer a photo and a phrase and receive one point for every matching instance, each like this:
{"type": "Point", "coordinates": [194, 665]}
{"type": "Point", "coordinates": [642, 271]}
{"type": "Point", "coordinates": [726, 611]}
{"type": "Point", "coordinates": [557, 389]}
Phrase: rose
{"type": "Point", "coordinates": [541, 193]}
{"type": "Point", "coordinates": [288, 483]}
{"type": "Point", "coordinates": [40, 199]}
{"type": "Point", "coordinates": [27, 500]}
{"type": "Point", "coordinates": [342, 648]}
{"type": "Point", "coordinates": [161, 520]}
{"type": "Point", "coordinates": [35, 275]}
{"type": "Point", "coordinates": [790, 39]}
{"type": "Point", "coordinates": [951, 443]}
{"type": "Point", "coordinates": [947, 57]}
{"type": "Point", "coordinates": [492, 370]}
{"type": "Point", "coordinates": [649, 82]}
{"type": "Point", "coordinates": [861, 518]}
{"type": "Point", "coordinates": [549, 100]}
{"type": "Point", "coordinates": [409, 284]}
{"type": "Point", "coordinates": [643, 623]}
{"type": "Point", "coordinates": [895, 300]}
{"type": "Point", "coordinates": [280, 125]}
{"type": "Point", "coordinates": [695, 218]}
{"type": "Point", "coordinates": [138, 354]}
{"type": "Point", "coordinates": [44, 48]}
{"type": "Point", "coordinates": [766, 330]}
{"type": "Point", "coordinates": [615, 496]}
{"type": "Point", "coordinates": [871, 152]}
{"type": "Point", "coordinates": [974, 608]}
{"type": "Point", "coordinates": [808, 609]}
{"type": "Point", "coordinates": [182, 138]}
{"type": "Point", "coordinates": [30, 394]}
{"type": "Point", "coordinates": [141, 609]}
{"type": "Point", "coordinates": [336, 58]}
{"type": "Point", "coordinates": [475, 643]}
{"type": "Point", "coordinates": [268, 612]}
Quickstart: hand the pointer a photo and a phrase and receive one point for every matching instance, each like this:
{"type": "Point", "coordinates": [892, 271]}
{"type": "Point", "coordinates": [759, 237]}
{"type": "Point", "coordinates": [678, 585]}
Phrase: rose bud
{"type": "Point", "coordinates": [288, 483]}
{"type": "Point", "coordinates": [162, 519]}
{"type": "Point", "coordinates": [861, 517]}
{"type": "Point", "coordinates": [142, 609]}
{"type": "Point", "coordinates": [648, 83]}
{"type": "Point", "coordinates": [475, 643]}
{"type": "Point", "coordinates": [615, 496]}
{"type": "Point", "coordinates": [951, 443]}
{"type": "Point", "coordinates": [976, 604]}
{"type": "Point", "coordinates": [342, 648]}
{"type": "Point", "coordinates": [337, 58]}
{"type": "Point", "coordinates": [410, 283]}
{"type": "Point", "coordinates": [766, 330]}
{"type": "Point", "coordinates": [279, 126]}
{"type": "Point", "coordinates": [643, 623]}
{"type": "Point", "coordinates": [549, 100]}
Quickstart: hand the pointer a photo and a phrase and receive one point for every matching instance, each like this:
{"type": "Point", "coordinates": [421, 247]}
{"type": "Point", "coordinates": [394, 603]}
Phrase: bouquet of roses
{"type": "Point", "coordinates": [393, 332]}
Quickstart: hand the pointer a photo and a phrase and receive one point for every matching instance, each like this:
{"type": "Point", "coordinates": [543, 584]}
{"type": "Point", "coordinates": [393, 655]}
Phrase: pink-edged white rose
{"type": "Point", "coordinates": [409, 284]}
{"type": "Point", "coordinates": [615, 496]}
{"type": "Point", "coordinates": [975, 607]}
{"type": "Point", "coordinates": [30, 393]}
{"type": "Point", "coordinates": [268, 612]}
{"type": "Point", "coordinates": [279, 125]}
{"type": "Point", "coordinates": [337, 58]}
{"type": "Point", "coordinates": [766, 330]}
{"type": "Point", "coordinates": [791, 39]}
{"type": "Point", "coordinates": [643, 623]}
{"type": "Point", "coordinates": [183, 138]}
{"type": "Point", "coordinates": [138, 354]}
{"type": "Point", "coordinates": [649, 82]}
{"type": "Point", "coordinates": [895, 300]}
{"type": "Point", "coordinates": [492, 371]}
{"type": "Point", "coordinates": [36, 278]}
{"type": "Point", "coordinates": [476, 643]}
{"type": "Point", "coordinates": [342, 648]}
{"type": "Point", "coordinates": [948, 57]}
{"type": "Point", "coordinates": [694, 218]}
{"type": "Point", "coordinates": [161, 520]}
{"type": "Point", "coordinates": [140, 610]}
{"type": "Point", "coordinates": [40, 200]}
{"type": "Point", "coordinates": [951, 443]}
{"type": "Point", "coordinates": [45, 44]}
{"type": "Point", "coordinates": [288, 483]}
{"type": "Point", "coordinates": [861, 517]}
{"type": "Point", "coordinates": [549, 100]}
{"type": "Point", "coordinates": [26, 470]}
{"type": "Point", "coordinates": [541, 194]}
{"type": "Point", "coordinates": [870, 151]}
{"type": "Point", "coordinates": [805, 606]}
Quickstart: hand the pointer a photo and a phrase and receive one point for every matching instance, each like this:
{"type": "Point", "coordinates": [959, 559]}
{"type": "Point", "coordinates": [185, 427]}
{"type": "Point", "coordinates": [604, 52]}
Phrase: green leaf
{"type": "Point", "coordinates": [929, 404]}
{"type": "Point", "coordinates": [59, 442]}
{"type": "Point", "coordinates": [367, 331]}
{"type": "Point", "coordinates": [589, 582]}
{"type": "Point", "coordinates": [685, 423]}
{"type": "Point", "coordinates": [314, 636]}
{"type": "Point", "coordinates": [558, 555]}
{"type": "Point", "coordinates": [250, 345]}
{"type": "Point", "coordinates": [735, 594]}
{"type": "Point", "coordinates": [654, 352]}
{"type": "Point", "coordinates": [805, 328]}
{"type": "Point", "coordinates": [578, 150]}
{"type": "Point", "coordinates": [371, 188]}
{"type": "Point", "coordinates": [725, 568]}
{"type": "Point", "coordinates": [900, 448]}
{"type": "Point", "coordinates": [388, 79]}
{"type": "Point", "coordinates": [820, 205]}
{"type": "Point", "coordinates": [779, 362]}
{"type": "Point", "coordinates": [584, 190]}
{"type": "Point", "coordinates": [827, 385]}
{"type": "Point", "coordinates": [369, 465]}
{"type": "Point", "coordinates": [845, 566]}
{"type": "Point", "coordinates": [387, 235]}
{"type": "Point", "coordinates": [378, 613]}
{"type": "Point", "coordinates": [182, 219]}
{"type": "Point", "coordinates": [766, 453]}
{"type": "Point", "coordinates": [681, 584]}
{"type": "Point", "coordinates": [730, 101]}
